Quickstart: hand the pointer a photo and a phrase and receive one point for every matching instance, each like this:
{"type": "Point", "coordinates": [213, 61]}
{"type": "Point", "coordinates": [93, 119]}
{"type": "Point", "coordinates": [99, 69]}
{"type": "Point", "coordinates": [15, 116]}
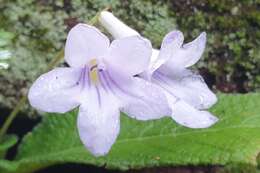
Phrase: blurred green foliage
{"type": "Point", "coordinates": [5, 52]}
{"type": "Point", "coordinates": [232, 59]}
{"type": "Point", "coordinates": [233, 28]}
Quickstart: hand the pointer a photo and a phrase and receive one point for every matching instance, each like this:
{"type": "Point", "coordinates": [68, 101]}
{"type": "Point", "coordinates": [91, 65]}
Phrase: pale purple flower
{"type": "Point", "coordinates": [100, 80]}
{"type": "Point", "coordinates": [187, 93]}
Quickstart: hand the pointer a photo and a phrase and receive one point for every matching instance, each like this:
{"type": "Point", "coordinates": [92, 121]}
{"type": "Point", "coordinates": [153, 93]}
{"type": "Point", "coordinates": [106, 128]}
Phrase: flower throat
{"type": "Point", "coordinates": [94, 71]}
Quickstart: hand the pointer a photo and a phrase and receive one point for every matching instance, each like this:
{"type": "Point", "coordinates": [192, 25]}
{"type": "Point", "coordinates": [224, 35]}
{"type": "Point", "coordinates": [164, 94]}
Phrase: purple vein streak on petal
{"type": "Point", "coordinates": [86, 69]}
{"type": "Point", "coordinates": [109, 78]}
{"type": "Point", "coordinates": [102, 81]}
{"type": "Point", "coordinates": [190, 75]}
{"type": "Point", "coordinates": [82, 76]}
{"type": "Point", "coordinates": [159, 77]}
{"type": "Point", "coordinates": [98, 95]}
{"type": "Point", "coordinates": [105, 78]}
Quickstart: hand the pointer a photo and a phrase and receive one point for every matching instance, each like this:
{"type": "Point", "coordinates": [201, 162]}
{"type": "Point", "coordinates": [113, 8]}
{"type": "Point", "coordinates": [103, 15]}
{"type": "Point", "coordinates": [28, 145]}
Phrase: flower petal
{"type": "Point", "coordinates": [131, 55]}
{"type": "Point", "coordinates": [98, 121]}
{"type": "Point", "coordinates": [139, 99]}
{"type": "Point", "coordinates": [147, 102]}
{"type": "Point", "coordinates": [171, 43]}
{"type": "Point", "coordinates": [154, 57]}
{"type": "Point", "coordinates": [182, 112]}
{"type": "Point", "coordinates": [56, 91]}
{"type": "Point", "coordinates": [189, 53]}
{"type": "Point", "coordinates": [187, 86]}
{"type": "Point", "coordinates": [84, 43]}
{"type": "Point", "coordinates": [188, 116]}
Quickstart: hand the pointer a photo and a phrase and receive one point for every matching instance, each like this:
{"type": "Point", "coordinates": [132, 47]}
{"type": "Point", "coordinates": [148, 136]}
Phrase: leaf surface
{"type": "Point", "coordinates": [235, 139]}
{"type": "Point", "coordinates": [7, 142]}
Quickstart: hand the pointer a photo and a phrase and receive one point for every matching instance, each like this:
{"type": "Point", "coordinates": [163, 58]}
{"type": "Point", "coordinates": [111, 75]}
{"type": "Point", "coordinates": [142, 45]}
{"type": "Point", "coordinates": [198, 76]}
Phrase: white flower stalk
{"type": "Point", "coordinates": [187, 93]}
{"type": "Point", "coordinates": [116, 27]}
{"type": "Point", "coordinates": [100, 80]}
{"type": "Point", "coordinates": [120, 30]}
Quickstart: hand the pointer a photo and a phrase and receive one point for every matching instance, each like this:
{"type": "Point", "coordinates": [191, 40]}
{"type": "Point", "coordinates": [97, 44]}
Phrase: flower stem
{"type": "Point", "coordinates": [23, 100]}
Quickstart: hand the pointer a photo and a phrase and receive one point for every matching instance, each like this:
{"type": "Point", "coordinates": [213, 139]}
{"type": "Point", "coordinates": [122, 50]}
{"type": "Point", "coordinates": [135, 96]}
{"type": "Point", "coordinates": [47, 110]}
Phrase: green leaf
{"type": "Point", "coordinates": [8, 141]}
{"type": "Point", "coordinates": [235, 139]}
{"type": "Point", "coordinates": [5, 52]}
{"type": "Point", "coordinates": [5, 38]}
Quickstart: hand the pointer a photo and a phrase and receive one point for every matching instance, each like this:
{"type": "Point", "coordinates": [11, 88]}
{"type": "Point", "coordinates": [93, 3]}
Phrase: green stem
{"type": "Point", "coordinates": [11, 117]}
{"type": "Point", "coordinates": [23, 100]}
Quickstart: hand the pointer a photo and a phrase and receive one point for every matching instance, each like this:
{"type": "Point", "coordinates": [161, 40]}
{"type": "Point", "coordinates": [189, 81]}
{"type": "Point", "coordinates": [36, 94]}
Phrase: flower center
{"type": "Point", "coordinates": [94, 71]}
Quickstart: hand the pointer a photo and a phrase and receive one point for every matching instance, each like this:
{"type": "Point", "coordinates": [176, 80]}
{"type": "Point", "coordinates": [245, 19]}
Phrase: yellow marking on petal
{"type": "Point", "coordinates": [94, 71]}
